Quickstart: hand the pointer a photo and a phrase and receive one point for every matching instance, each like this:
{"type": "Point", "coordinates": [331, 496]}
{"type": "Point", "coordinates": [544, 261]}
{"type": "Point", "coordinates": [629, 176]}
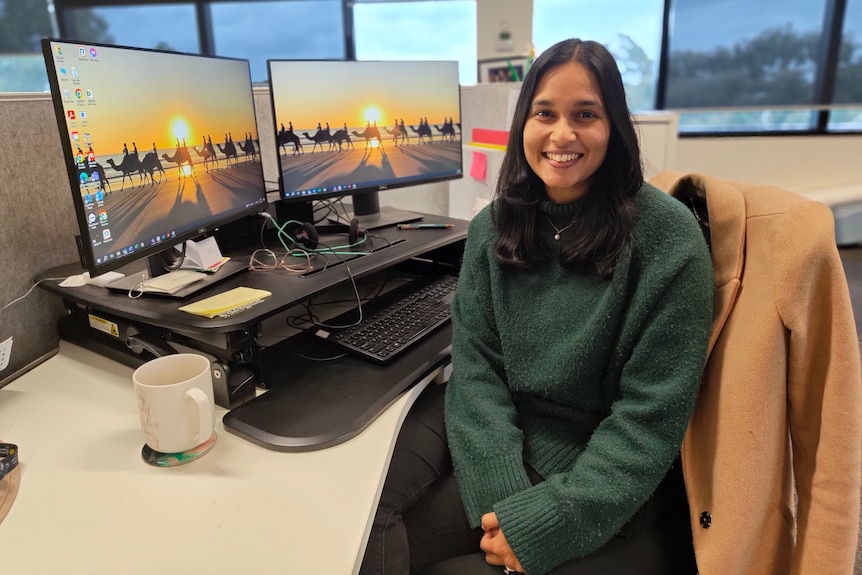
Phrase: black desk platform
{"type": "Point", "coordinates": [317, 404]}
{"type": "Point", "coordinates": [310, 404]}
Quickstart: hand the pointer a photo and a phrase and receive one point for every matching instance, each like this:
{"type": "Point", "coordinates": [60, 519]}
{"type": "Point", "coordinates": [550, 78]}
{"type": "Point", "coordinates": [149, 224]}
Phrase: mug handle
{"type": "Point", "coordinates": [205, 413]}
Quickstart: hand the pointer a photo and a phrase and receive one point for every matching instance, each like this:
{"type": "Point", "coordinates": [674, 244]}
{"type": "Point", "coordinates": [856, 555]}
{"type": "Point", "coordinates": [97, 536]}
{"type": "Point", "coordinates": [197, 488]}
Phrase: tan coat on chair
{"type": "Point", "coordinates": [781, 401]}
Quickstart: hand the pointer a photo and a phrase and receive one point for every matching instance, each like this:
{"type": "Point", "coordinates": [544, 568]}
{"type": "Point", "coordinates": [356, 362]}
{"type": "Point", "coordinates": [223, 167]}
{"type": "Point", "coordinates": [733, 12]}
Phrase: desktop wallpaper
{"type": "Point", "coordinates": [162, 143]}
{"type": "Point", "coordinates": [344, 125]}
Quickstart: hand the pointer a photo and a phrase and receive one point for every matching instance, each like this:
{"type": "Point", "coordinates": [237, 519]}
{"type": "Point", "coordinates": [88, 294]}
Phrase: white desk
{"type": "Point", "coordinates": [88, 504]}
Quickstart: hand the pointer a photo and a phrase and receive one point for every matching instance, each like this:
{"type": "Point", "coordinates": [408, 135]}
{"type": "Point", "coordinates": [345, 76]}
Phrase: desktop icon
{"type": "Point", "coordinates": [93, 53]}
{"type": "Point", "coordinates": [74, 72]}
{"type": "Point", "coordinates": [84, 177]}
{"type": "Point", "coordinates": [82, 51]}
{"type": "Point", "coordinates": [76, 136]}
{"type": "Point", "coordinates": [70, 114]}
{"type": "Point", "coordinates": [103, 216]}
{"type": "Point", "coordinates": [58, 50]}
{"type": "Point", "coordinates": [106, 235]}
{"type": "Point", "coordinates": [79, 93]}
{"type": "Point", "coordinates": [100, 196]}
{"type": "Point", "coordinates": [82, 115]}
{"type": "Point", "coordinates": [90, 94]}
{"type": "Point", "coordinates": [66, 94]}
{"type": "Point", "coordinates": [63, 71]}
{"type": "Point", "coordinates": [91, 217]}
{"type": "Point", "coordinates": [88, 199]}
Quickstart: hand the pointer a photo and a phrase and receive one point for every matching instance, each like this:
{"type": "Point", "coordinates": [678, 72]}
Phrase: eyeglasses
{"type": "Point", "coordinates": [265, 259]}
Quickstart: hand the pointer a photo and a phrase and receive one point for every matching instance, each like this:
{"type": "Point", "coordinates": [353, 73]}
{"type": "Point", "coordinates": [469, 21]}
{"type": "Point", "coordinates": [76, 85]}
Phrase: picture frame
{"type": "Point", "coordinates": [497, 70]}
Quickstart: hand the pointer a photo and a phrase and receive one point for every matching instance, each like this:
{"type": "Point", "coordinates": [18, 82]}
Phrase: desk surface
{"type": "Point", "coordinates": [88, 504]}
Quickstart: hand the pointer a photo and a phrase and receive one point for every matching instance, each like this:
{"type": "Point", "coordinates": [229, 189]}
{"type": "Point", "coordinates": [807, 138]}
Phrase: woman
{"type": "Point", "coordinates": [580, 330]}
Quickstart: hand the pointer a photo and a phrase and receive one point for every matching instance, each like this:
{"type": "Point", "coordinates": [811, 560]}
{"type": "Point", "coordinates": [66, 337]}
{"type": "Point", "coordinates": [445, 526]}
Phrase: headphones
{"type": "Point", "coordinates": [308, 235]}
{"type": "Point", "coordinates": [8, 458]}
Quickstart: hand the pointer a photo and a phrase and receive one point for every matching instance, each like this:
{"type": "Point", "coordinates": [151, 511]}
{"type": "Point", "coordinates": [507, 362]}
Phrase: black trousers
{"type": "Point", "coordinates": [420, 526]}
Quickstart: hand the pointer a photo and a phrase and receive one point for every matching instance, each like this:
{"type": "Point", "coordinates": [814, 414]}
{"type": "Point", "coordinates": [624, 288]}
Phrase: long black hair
{"type": "Point", "coordinates": [601, 233]}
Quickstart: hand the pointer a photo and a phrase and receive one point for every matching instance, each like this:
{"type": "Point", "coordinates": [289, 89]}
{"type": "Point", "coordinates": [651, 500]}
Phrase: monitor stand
{"type": "Point", "coordinates": [371, 216]}
{"type": "Point", "coordinates": [155, 267]}
{"type": "Point", "coordinates": [386, 217]}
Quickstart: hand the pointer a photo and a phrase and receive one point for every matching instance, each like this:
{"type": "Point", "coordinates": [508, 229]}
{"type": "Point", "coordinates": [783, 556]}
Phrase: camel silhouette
{"type": "Point", "coordinates": [150, 164]}
{"type": "Point", "coordinates": [128, 166]}
{"type": "Point", "coordinates": [447, 131]}
{"type": "Point", "coordinates": [207, 153]}
{"type": "Point", "coordinates": [318, 139]}
{"type": "Point", "coordinates": [248, 147]}
{"type": "Point", "coordinates": [342, 138]}
{"type": "Point", "coordinates": [181, 156]}
{"type": "Point", "coordinates": [369, 133]}
{"type": "Point", "coordinates": [424, 131]}
{"type": "Point", "coordinates": [229, 150]}
{"type": "Point", "coordinates": [286, 137]}
{"type": "Point", "coordinates": [398, 133]}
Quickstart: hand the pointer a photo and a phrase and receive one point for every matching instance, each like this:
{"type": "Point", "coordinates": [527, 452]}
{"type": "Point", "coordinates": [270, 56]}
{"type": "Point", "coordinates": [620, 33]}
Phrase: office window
{"type": "Point", "coordinates": [22, 24]}
{"type": "Point", "coordinates": [300, 30]}
{"type": "Point", "coordinates": [848, 81]}
{"type": "Point", "coordinates": [423, 30]}
{"type": "Point", "coordinates": [741, 54]}
{"type": "Point", "coordinates": [162, 26]}
{"type": "Point", "coordinates": [630, 30]}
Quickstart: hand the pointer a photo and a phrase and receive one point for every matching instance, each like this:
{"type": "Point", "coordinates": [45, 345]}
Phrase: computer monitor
{"type": "Point", "coordinates": [360, 127]}
{"type": "Point", "coordinates": [160, 147]}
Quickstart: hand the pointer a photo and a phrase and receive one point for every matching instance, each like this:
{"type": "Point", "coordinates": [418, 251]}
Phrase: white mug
{"type": "Point", "coordinates": [175, 401]}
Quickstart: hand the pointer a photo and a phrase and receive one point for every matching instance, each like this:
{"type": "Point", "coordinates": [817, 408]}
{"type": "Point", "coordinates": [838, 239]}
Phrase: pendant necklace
{"type": "Point", "coordinates": [556, 229]}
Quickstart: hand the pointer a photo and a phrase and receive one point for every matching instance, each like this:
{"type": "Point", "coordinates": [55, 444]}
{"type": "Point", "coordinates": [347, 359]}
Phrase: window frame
{"type": "Point", "coordinates": [824, 81]}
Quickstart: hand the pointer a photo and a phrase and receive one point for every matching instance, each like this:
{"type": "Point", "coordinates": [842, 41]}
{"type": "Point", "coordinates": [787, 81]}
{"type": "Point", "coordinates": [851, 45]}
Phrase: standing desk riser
{"type": "Point", "coordinates": [310, 404]}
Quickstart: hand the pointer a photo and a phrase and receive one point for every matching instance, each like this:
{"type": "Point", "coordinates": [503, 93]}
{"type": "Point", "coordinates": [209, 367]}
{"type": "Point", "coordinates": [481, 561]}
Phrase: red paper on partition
{"type": "Point", "coordinates": [493, 137]}
{"type": "Point", "coordinates": [479, 166]}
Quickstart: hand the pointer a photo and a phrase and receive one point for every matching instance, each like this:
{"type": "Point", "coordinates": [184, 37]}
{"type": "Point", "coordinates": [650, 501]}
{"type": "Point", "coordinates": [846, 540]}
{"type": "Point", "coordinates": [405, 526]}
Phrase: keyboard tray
{"type": "Point", "coordinates": [316, 404]}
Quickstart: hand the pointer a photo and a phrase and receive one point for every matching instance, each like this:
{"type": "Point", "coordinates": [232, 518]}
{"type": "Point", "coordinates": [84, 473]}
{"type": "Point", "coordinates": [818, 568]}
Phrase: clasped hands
{"type": "Point", "coordinates": [496, 547]}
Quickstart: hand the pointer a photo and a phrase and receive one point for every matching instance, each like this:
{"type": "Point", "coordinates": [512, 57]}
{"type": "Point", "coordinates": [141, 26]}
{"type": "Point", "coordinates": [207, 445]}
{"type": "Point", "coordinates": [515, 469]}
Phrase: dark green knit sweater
{"type": "Point", "coordinates": [589, 381]}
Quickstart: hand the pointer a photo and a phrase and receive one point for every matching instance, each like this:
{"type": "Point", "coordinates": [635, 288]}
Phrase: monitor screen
{"type": "Point", "coordinates": [357, 128]}
{"type": "Point", "coordinates": [160, 147]}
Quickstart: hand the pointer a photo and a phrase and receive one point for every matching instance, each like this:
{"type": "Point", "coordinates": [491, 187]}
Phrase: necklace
{"type": "Point", "coordinates": [556, 229]}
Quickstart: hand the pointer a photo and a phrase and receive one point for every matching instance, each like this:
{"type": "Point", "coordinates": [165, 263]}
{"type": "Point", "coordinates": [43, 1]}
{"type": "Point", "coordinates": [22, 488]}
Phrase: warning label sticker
{"type": "Point", "coordinates": [104, 325]}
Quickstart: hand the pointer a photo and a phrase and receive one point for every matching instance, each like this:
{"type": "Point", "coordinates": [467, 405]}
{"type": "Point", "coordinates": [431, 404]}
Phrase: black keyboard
{"type": "Point", "coordinates": [395, 321]}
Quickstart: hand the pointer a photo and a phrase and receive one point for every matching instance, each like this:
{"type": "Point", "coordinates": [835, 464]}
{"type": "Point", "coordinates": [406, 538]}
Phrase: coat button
{"type": "Point", "coordinates": [705, 519]}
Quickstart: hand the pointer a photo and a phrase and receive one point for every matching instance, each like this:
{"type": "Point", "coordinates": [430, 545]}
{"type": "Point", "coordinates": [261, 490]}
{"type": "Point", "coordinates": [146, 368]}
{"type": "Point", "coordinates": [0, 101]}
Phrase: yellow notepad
{"type": "Point", "coordinates": [225, 302]}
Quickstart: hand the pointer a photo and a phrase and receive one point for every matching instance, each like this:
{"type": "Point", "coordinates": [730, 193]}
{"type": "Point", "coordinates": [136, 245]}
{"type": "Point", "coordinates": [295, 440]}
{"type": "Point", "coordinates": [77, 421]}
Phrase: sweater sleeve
{"type": "Point", "coordinates": [824, 389]}
{"type": "Point", "coordinates": [575, 512]}
{"type": "Point", "coordinates": [484, 439]}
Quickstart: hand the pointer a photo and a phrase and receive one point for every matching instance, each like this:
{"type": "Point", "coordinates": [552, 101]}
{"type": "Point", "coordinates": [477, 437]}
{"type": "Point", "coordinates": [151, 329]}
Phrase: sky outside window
{"type": "Point", "coordinates": [432, 30]}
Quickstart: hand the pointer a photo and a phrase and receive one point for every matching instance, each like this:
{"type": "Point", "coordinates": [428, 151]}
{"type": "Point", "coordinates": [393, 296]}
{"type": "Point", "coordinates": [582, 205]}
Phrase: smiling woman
{"type": "Point", "coordinates": [555, 453]}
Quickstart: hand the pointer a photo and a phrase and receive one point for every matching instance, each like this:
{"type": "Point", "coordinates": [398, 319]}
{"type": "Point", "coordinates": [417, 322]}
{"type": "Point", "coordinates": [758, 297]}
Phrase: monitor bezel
{"type": "Point", "coordinates": [365, 201]}
{"type": "Point", "coordinates": [145, 254]}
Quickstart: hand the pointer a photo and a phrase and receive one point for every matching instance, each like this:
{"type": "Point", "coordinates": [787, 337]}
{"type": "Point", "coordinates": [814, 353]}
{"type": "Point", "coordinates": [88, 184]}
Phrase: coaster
{"type": "Point", "coordinates": [8, 490]}
{"type": "Point", "coordinates": [159, 459]}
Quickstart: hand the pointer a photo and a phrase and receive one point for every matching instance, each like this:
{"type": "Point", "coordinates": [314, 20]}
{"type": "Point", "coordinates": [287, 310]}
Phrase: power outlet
{"type": "Point", "coordinates": [5, 353]}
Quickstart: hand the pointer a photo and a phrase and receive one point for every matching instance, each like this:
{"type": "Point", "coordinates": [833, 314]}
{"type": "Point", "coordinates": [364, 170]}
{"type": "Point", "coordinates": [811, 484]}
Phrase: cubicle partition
{"type": "Point", "coordinates": [37, 229]}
